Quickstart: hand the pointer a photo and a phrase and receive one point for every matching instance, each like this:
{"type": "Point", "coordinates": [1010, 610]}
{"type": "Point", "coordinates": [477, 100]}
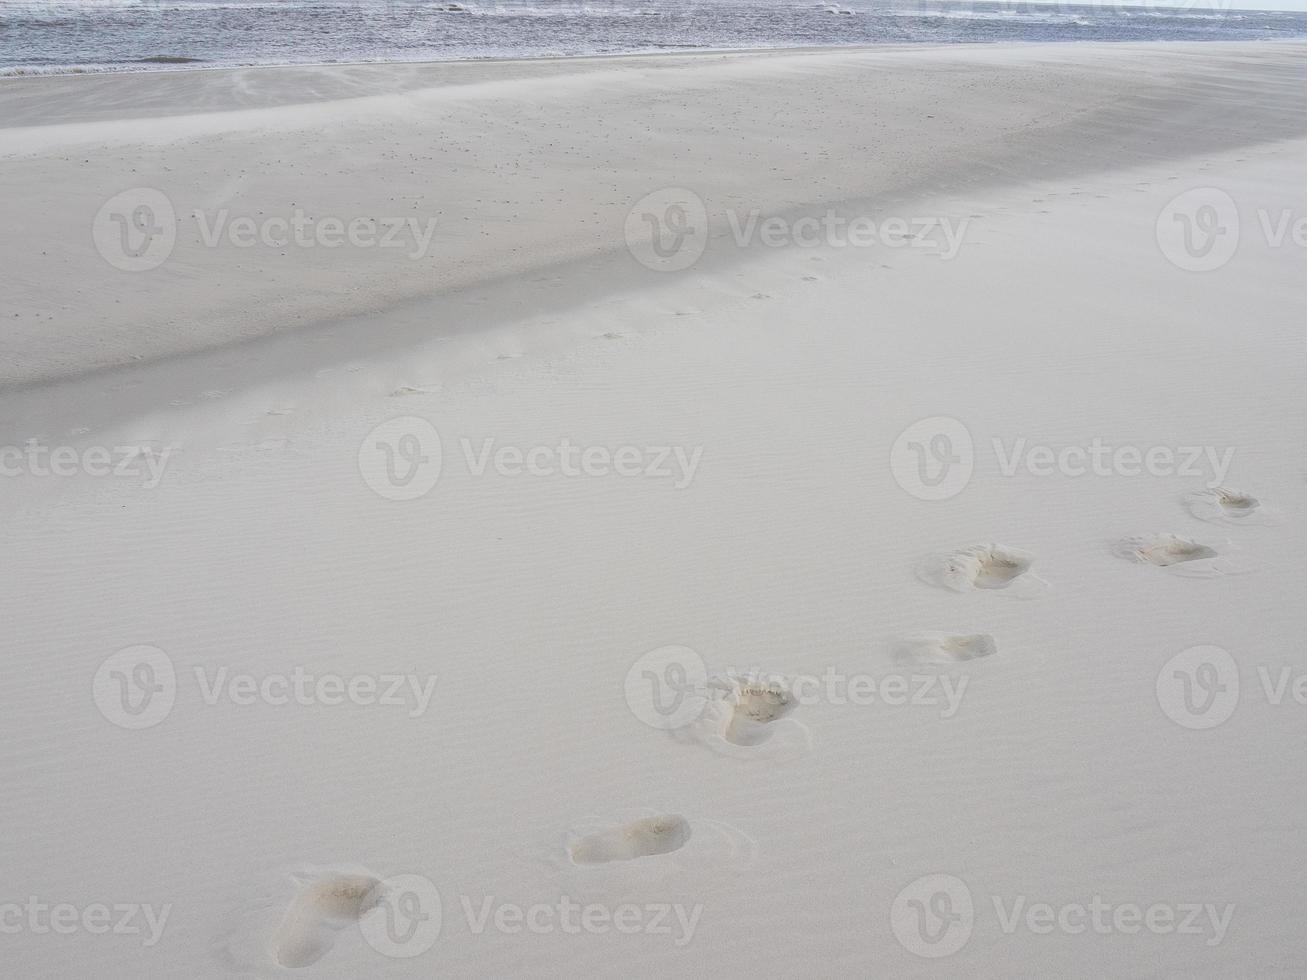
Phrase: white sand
{"type": "Point", "coordinates": [775, 538]}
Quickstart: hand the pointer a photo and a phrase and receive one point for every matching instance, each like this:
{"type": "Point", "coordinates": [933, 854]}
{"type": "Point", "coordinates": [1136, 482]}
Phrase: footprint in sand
{"type": "Point", "coordinates": [1223, 505]}
{"type": "Point", "coordinates": [323, 907]}
{"type": "Point", "coordinates": [753, 706]}
{"type": "Point", "coordinates": [1184, 556]}
{"type": "Point", "coordinates": [944, 648]}
{"type": "Point", "coordinates": [640, 838]}
{"type": "Point", "coordinates": [747, 717]}
{"type": "Point", "coordinates": [990, 567]}
{"type": "Point", "coordinates": [624, 850]}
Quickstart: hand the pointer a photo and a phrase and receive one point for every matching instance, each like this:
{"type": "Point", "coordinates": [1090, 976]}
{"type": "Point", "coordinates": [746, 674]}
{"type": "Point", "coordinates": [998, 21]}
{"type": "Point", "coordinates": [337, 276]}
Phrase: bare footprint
{"type": "Point", "coordinates": [746, 716]}
{"type": "Point", "coordinates": [1181, 556]}
{"type": "Point", "coordinates": [641, 838]}
{"type": "Point", "coordinates": [1163, 550]}
{"type": "Point", "coordinates": [323, 907]}
{"type": "Point", "coordinates": [992, 567]}
{"type": "Point", "coordinates": [1223, 505]}
{"type": "Point", "coordinates": [753, 706]}
{"type": "Point", "coordinates": [946, 648]}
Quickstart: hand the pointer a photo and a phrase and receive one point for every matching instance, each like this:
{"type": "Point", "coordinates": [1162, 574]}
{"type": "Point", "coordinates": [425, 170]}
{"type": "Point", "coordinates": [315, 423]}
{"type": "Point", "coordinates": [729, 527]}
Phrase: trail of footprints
{"type": "Point", "coordinates": [749, 708]}
{"type": "Point", "coordinates": [1188, 556]}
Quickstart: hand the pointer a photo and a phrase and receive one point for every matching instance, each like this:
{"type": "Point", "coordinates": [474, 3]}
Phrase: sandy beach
{"type": "Point", "coordinates": [826, 513]}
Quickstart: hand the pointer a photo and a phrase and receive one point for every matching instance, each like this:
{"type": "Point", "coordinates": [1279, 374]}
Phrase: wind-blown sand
{"type": "Point", "coordinates": [766, 408]}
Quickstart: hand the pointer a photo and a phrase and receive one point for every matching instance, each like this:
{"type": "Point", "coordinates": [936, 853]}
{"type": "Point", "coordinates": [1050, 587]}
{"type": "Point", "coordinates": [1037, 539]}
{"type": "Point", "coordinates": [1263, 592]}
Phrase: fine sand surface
{"type": "Point", "coordinates": [773, 520]}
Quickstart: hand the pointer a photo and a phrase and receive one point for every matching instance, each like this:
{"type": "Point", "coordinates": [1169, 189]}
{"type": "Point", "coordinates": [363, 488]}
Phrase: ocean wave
{"type": "Point", "coordinates": [49, 36]}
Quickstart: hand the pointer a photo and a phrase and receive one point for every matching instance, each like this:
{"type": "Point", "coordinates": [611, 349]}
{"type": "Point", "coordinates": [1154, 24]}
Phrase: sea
{"type": "Point", "coordinates": [55, 36]}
